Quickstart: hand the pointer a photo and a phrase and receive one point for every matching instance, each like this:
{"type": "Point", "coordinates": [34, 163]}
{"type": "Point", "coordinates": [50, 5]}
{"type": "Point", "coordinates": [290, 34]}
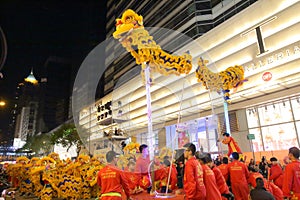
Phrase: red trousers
{"type": "Point", "coordinates": [240, 191]}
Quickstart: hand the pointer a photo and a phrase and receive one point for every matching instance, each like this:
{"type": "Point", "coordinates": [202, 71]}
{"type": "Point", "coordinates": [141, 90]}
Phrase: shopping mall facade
{"type": "Point", "coordinates": [265, 40]}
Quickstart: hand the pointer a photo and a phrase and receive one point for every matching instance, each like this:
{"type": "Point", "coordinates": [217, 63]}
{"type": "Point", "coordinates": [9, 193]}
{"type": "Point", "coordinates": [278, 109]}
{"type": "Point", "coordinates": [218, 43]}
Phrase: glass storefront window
{"type": "Point", "coordinates": [252, 118]}
{"type": "Point", "coordinates": [298, 129]}
{"type": "Point", "coordinates": [257, 142]}
{"type": "Point", "coordinates": [296, 107]}
{"type": "Point", "coordinates": [278, 137]}
{"type": "Point", "coordinates": [275, 113]}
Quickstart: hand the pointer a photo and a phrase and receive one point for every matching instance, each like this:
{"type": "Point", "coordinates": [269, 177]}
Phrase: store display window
{"type": "Point", "coordinates": [276, 126]}
{"type": "Point", "coordinates": [275, 113]}
{"type": "Point", "coordinates": [257, 142]}
{"type": "Point", "coordinates": [278, 137]}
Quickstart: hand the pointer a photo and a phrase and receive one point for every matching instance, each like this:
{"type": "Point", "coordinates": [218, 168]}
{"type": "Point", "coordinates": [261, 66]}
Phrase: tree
{"type": "Point", "coordinates": [67, 135]}
{"type": "Point", "coordinates": [37, 144]}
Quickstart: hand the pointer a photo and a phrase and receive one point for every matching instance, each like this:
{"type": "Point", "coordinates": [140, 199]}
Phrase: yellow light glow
{"type": "Point", "coordinates": [2, 103]}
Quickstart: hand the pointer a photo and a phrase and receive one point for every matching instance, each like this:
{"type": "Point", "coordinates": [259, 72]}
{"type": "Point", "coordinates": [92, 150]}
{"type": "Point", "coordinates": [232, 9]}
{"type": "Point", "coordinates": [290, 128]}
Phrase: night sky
{"type": "Point", "coordinates": [35, 30]}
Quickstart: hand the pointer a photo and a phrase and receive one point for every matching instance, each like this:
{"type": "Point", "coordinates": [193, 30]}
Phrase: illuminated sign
{"type": "Point", "coordinates": [267, 76]}
{"type": "Point", "coordinates": [280, 56]}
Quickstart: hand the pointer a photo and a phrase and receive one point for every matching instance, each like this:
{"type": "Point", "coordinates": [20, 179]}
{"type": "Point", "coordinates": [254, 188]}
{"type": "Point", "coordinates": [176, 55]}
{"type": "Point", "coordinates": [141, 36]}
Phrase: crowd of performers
{"type": "Point", "coordinates": [195, 177]}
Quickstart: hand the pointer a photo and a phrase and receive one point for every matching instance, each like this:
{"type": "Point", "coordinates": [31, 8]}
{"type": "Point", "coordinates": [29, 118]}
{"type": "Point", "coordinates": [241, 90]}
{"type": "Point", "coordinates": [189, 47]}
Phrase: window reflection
{"type": "Point", "coordinates": [296, 108]}
{"type": "Point", "coordinates": [274, 125]}
{"type": "Point", "coordinates": [278, 137]}
{"type": "Point", "coordinates": [257, 142]}
{"type": "Point", "coordinates": [252, 118]}
{"type": "Point", "coordinates": [275, 113]}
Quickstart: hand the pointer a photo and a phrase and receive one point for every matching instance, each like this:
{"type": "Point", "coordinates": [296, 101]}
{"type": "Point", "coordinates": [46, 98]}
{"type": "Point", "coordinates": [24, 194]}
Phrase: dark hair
{"type": "Point", "coordinates": [142, 147]}
{"type": "Point", "coordinates": [110, 156]}
{"type": "Point", "coordinates": [273, 159]}
{"type": "Point", "coordinates": [166, 158]}
{"type": "Point", "coordinates": [235, 155]}
{"type": "Point", "coordinates": [252, 169]}
{"type": "Point", "coordinates": [295, 152]}
{"type": "Point", "coordinates": [225, 160]}
{"type": "Point", "coordinates": [226, 134]}
{"type": "Point", "coordinates": [167, 163]}
{"type": "Point", "coordinates": [208, 158]}
{"type": "Point", "coordinates": [191, 147]}
{"type": "Point", "coordinates": [202, 157]}
{"type": "Point", "coordinates": [259, 182]}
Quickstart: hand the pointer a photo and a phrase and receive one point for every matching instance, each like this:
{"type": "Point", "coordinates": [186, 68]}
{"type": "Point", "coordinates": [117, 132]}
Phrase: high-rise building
{"type": "Point", "coordinates": [192, 18]}
{"type": "Point", "coordinates": [26, 107]}
{"type": "Point", "coordinates": [56, 91]}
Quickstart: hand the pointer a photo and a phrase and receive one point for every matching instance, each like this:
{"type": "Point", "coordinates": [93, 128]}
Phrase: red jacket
{"type": "Point", "coordinates": [194, 187]}
{"type": "Point", "coordinates": [291, 179]}
{"type": "Point", "coordinates": [220, 180]}
{"type": "Point", "coordinates": [133, 180]}
{"type": "Point", "coordinates": [232, 145]}
{"type": "Point", "coordinates": [111, 179]}
{"type": "Point", "coordinates": [252, 178]}
{"type": "Point", "coordinates": [224, 169]}
{"type": "Point", "coordinates": [239, 174]}
{"type": "Point", "coordinates": [276, 175]}
{"type": "Point", "coordinates": [212, 192]}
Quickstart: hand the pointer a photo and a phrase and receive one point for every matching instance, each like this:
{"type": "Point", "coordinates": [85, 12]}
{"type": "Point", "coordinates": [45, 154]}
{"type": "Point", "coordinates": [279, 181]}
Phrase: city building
{"type": "Point", "coordinates": [56, 86]}
{"type": "Point", "coordinates": [192, 18]}
{"type": "Point", "coordinates": [263, 38]}
{"type": "Point", "coordinates": [26, 107]}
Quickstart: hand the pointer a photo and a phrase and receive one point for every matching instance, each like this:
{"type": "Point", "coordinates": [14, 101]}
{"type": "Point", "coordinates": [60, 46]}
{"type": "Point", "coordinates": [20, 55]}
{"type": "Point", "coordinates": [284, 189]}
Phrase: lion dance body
{"type": "Point", "coordinates": [136, 40]}
{"type": "Point", "coordinates": [223, 81]}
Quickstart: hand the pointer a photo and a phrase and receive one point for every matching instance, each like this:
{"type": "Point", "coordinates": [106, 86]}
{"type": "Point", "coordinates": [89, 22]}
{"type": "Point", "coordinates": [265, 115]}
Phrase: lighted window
{"type": "Point", "coordinates": [252, 118]}
{"type": "Point", "coordinates": [275, 113]}
{"type": "Point", "coordinates": [298, 129]}
{"type": "Point", "coordinates": [257, 142]}
{"type": "Point", "coordinates": [278, 137]}
{"type": "Point", "coordinates": [296, 108]}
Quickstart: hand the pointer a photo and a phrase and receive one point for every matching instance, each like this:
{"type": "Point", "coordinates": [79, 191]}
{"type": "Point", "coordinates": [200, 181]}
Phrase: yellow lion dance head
{"type": "Point", "coordinates": [129, 20]}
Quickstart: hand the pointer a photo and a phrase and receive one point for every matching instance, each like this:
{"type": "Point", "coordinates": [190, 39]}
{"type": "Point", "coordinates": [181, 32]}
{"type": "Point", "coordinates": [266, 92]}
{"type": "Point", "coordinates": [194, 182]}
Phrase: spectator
{"type": "Point", "coordinates": [259, 192]}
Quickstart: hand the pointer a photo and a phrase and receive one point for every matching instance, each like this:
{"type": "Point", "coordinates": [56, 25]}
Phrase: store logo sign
{"type": "Point", "coordinates": [259, 36]}
{"type": "Point", "coordinates": [267, 76]}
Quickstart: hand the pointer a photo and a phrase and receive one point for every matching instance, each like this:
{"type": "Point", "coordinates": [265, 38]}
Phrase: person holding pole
{"type": "Point", "coordinates": [231, 143]}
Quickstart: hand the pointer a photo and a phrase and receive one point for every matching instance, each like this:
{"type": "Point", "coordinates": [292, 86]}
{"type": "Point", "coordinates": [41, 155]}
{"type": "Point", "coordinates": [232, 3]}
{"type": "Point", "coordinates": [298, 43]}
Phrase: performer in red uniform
{"type": "Point", "coordinates": [212, 192]}
{"type": "Point", "coordinates": [224, 168]}
{"type": "Point", "coordinates": [132, 177]}
{"type": "Point", "coordinates": [173, 176]}
{"type": "Point", "coordinates": [276, 173]}
{"type": "Point", "coordinates": [291, 176]}
{"type": "Point", "coordinates": [232, 144]}
{"type": "Point", "coordinates": [111, 180]}
{"type": "Point", "coordinates": [220, 180]}
{"type": "Point", "coordinates": [239, 175]}
{"type": "Point", "coordinates": [142, 165]}
{"type": "Point", "coordinates": [193, 184]}
{"type": "Point", "coordinates": [269, 186]}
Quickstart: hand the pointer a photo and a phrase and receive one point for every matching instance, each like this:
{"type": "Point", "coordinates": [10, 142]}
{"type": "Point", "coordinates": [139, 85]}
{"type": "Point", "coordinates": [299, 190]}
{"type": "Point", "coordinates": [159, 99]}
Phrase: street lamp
{"type": "Point", "coordinates": [2, 103]}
